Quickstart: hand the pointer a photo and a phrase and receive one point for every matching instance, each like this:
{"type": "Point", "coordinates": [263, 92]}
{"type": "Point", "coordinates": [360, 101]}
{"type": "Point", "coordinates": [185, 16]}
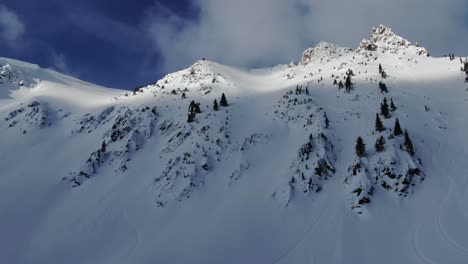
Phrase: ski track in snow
{"type": "Point", "coordinates": [447, 203]}
{"type": "Point", "coordinates": [416, 231]}
{"type": "Point", "coordinates": [445, 236]}
{"type": "Point", "coordinates": [416, 248]}
{"type": "Point", "coordinates": [301, 239]}
{"type": "Point", "coordinates": [134, 231]}
{"type": "Point", "coordinates": [97, 216]}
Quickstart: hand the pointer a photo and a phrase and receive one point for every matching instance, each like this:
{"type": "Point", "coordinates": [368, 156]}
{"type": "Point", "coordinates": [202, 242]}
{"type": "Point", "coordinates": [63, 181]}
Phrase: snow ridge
{"type": "Point", "coordinates": [264, 163]}
{"type": "Point", "coordinates": [323, 52]}
{"type": "Point", "coordinates": [383, 39]}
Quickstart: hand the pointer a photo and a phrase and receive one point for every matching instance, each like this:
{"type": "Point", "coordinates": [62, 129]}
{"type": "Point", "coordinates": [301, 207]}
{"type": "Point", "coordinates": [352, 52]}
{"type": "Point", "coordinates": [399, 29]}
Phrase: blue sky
{"type": "Point", "coordinates": [98, 41]}
{"type": "Point", "coordinates": [124, 44]}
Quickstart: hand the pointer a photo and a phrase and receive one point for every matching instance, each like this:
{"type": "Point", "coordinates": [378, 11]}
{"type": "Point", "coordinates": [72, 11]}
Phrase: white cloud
{"type": "Point", "coordinates": [60, 63]}
{"type": "Point", "coordinates": [266, 32]}
{"type": "Point", "coordinates": [11, 27]}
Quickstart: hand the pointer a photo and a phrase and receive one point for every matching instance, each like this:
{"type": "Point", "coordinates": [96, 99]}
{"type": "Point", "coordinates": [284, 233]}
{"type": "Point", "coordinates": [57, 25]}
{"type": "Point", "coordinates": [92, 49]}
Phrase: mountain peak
{"type": "Point", "coordinates": [323, 50]}
{"type": "Point", "coordinates": [384, 39]}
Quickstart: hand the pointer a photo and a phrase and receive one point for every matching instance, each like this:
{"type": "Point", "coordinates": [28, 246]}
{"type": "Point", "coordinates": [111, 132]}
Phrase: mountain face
{"type": "Point", "coordinates": [350, 156]}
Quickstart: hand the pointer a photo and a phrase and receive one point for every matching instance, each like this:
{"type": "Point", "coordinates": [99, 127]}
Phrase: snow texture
{"type": "Point", "coordinates": [95, 175]}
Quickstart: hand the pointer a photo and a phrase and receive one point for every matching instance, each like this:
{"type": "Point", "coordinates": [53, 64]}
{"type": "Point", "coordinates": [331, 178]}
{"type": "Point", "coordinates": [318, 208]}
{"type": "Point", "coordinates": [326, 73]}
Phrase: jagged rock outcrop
{"type": "Point", "coordinates": [192, 150]}
{"type": "Point", "coordinates": [11, 79]}
{"type": "Point", "coordinates": [383, 39]}
{"type": "Point", "coordinates": [131, 128]}
{"type": "Point", "coordinates": [324, 51]}
{"type": "Point", "coordinates": [201, 77]}
{"type": "Point", "coordinates": [33, 115]}
{"type": "Point", "coordinates": [315, 159]}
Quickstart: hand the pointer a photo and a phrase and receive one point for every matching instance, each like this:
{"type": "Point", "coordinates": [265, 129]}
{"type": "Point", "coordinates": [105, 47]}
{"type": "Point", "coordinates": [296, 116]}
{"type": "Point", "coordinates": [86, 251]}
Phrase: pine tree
{"type": "Point", "coordinates": [383, 87]}
{"type": "Point", "coordinates": [98, 156]}
{"type": "Point", "coordinates": [409, 144]}
{"type": "Point", "coordinates": [223, 101]}
{"type": "Point", "coordinates": [194, 108]}
{"type": "Point", "coordinates": [380, 69]}
{"type": "Point", "coordinates": [335, 82]}
{"type": "Point", "coordinates": [392, 105]}
{"type": "Point", "coordinates": [384, 109]}
{"type": "Point", "coordinates": [348, 83]}
{"type": "Point", "coordinates": [184, 96]}
{"type": "Point", "coordinates": [103, 146]}
{"type": "Point", "coordinates": [307, 90]}
{"type": "Point", "coordinates": [340, 85]}
{"type": "Point", "coordinates": [327, 122]}
{"type": "Point", "coordinates": [215, 105]}
{"type": "Point", "coordinates": [191, 106]}
{"type": "Point", "coordinates": [191, 117]}
{"type": "Point", "coordinates": [384, 75]}
{"type": "Point", "coordinates": [379, 127]}
{"type": "Point", "coordinates": [465, 69]}
{"type": "Point", "coordinates": [380, 144]}
{"type": "Point", "coordinates": [397, 129]}
{"type": "Point", "coordinates": [360, 147]}
{"type": "Point", "coordinates": [197, 108]}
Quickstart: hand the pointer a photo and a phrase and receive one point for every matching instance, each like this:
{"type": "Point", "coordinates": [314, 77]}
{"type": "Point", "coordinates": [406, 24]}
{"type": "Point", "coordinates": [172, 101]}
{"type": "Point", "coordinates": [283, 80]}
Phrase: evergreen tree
{"type": "Point", "coordinates": [223, 102]}
{"type": "Point", "coordinates": [348, 83]}
{"type": "Point", "coordinates": [194, 108]}
{"type": "Point", "coordinates": [191, 117]}
{"type": "Point", "coordinates": [307, 90]}
{"type": "Point", "coordinates": [380, 144]}
{"type": "Point", "coordinates": [384, 75]}
{"type": "Point", "coordinates": [465, 69]}
{"type": "Point", "coordinates": [383, 87]}
{"type": "Point", "coordinates": [360, 147]}
{"type": "Point", "coordinates": [379, 127]}
{"type": "Point", "coordinates": [380, 69]}
{"type": "Point", "coordinates": [384, 111]}
{"type": "Point", "coordinates": [103, 146]}
{"type": "Point", "coordinates": [197, 108]}
{"type": "Point", "coordinates": [340, 85]}
{"type": "Point", "coordinates": [335, 82]}
{"type": "Point", "coordinates": [409, 144]}
{"type": "Point", "coordinates": [397, 129]}
{"type": "Point", "coordinates": [392, 105]}
{"type": "Point", "coordinates": [98, 156]}
{"type": "Point", "coordinates": [215, 105]}
{"type": "Point", "coordinates": [327, 122]}
{"type": "Point", "coordinates": [184, 96]}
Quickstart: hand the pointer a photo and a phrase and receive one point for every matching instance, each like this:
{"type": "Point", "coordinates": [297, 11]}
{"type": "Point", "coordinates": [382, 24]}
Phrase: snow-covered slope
{"type": "Point", "coordinates": [96, 175]}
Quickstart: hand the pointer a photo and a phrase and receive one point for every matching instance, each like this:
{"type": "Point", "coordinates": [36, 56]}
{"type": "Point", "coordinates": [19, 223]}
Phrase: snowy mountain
{"type": "Point", "coordinates": [270, 173]}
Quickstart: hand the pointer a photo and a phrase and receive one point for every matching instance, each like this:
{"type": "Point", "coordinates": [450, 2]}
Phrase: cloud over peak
{"type": "Point", "coordinates": [11, 27]}
{"type": "Point", "coordinates": [266, 32]}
